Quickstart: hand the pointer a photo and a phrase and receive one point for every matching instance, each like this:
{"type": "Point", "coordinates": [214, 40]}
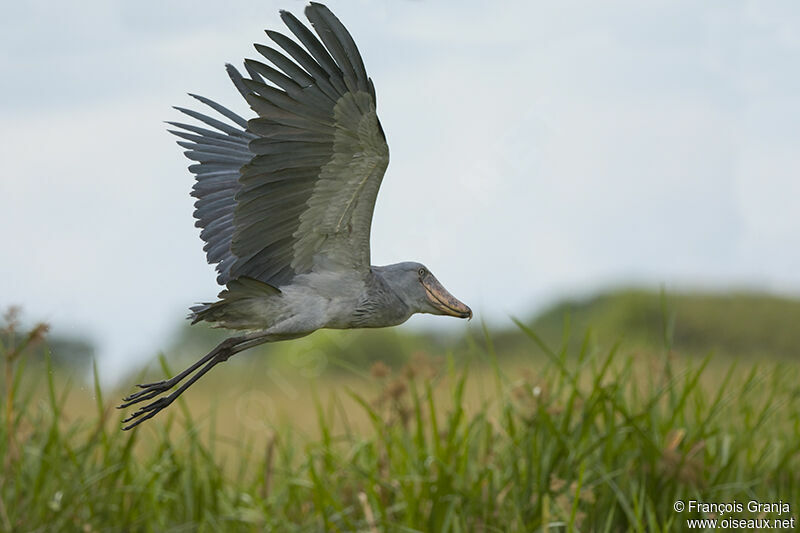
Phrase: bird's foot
{"type": "Point", "coordinates": [150, 410]}
{"type": "Point", "coordinates": [152, 391]}
{"type": "Point", "coordinates": [149, 390]}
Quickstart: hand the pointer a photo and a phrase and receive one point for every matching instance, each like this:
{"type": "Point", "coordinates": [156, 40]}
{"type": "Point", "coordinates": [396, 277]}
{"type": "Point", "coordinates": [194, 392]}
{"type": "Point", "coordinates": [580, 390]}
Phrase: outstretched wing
{"type": "Point", "coordinates": [219, 154]}
{"type": "Point", "coordinates": [295, 189]}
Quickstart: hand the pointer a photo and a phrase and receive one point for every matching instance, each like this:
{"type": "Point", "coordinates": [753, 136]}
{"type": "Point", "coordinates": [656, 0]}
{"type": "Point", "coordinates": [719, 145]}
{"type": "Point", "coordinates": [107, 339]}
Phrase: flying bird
{"type": "Point", "coordinates": [285, 203]}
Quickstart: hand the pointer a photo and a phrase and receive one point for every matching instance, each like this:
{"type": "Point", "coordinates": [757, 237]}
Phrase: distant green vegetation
{"type": "Point", "coordinates": [67, 352]}
{"type": "Point", "coordinates": [738, 324]}
{"type": "Point", "coordinates": [586, 435]}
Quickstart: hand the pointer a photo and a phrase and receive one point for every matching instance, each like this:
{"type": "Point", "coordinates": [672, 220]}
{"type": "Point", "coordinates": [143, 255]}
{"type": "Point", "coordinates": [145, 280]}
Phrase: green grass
{"type": "Point", "coordinates": [587, 439]}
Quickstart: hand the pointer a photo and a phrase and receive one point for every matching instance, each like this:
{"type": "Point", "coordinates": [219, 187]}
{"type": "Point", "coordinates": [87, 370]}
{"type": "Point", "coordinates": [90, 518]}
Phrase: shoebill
{"type": "Point", "coordinates": [285, 202]}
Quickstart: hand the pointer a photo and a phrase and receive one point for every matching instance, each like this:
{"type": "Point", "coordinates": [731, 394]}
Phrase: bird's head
{"type": "Point", "coordinates": [422, 292]}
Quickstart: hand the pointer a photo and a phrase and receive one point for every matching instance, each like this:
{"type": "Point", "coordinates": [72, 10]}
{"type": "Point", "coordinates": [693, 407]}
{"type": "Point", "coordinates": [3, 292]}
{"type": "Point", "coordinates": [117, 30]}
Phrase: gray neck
{"type": "Point", "coordinates": [381, 306]}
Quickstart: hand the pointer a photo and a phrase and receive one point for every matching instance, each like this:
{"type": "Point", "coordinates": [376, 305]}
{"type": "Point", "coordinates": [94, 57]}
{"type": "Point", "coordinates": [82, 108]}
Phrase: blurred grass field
{"type": "Point", "coordinates": [593, 416]}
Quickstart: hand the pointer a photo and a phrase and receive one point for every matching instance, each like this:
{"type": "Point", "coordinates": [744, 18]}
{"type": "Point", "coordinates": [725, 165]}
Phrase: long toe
{"type": "Point", "coordinates": [139, 397]}
{"type": "Point", "coordinates": [138, 421]}
{"type": "Point", "coordinates": [145, 394]}
{"type": "Point", "coordinates": [153, 384]}
{"type": "Point", "coordinates": [154, 406]}
{"type": "Point", "coordinates": [148, 411]}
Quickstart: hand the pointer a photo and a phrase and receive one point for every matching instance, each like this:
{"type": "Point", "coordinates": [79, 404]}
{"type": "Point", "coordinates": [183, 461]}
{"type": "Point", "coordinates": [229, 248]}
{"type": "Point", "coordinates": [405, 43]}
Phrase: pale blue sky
{"type": "Point", "coordinates": [539, 149]}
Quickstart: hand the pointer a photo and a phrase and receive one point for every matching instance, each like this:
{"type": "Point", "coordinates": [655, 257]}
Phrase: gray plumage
{"type": "Point", "coordinates": [285, 202]}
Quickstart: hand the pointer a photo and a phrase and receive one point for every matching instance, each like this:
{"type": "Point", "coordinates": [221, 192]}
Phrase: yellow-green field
{"type": "Point", "coordinates": [493, 433]}
{"type": "Point", "coordinates": [256, 402]}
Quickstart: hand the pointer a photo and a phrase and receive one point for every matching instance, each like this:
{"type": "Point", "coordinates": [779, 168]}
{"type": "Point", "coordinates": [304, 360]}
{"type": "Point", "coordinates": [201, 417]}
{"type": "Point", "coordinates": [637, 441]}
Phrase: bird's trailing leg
{"type": "Point", "coordinates": [222, 352]}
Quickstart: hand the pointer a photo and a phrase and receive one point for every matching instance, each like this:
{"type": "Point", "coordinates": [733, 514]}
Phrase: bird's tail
{"type": "Point", "coordinates": [237, 307]}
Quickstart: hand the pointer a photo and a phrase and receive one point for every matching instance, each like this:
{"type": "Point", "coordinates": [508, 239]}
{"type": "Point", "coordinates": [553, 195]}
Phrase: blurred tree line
{"type": "Point", "coordinates": [71, 352]}
{"type": "Point", "coordinates": [736, 324]}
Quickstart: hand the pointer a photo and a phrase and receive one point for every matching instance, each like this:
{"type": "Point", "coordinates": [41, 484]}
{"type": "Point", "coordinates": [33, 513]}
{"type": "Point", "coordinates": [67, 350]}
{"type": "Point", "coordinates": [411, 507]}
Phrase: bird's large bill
{"type": "Point", "coordinates": [443, 300]}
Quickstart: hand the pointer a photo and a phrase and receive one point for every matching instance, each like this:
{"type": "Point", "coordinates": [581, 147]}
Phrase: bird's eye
{"type": "Point", "coordinates": [421, 272]}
